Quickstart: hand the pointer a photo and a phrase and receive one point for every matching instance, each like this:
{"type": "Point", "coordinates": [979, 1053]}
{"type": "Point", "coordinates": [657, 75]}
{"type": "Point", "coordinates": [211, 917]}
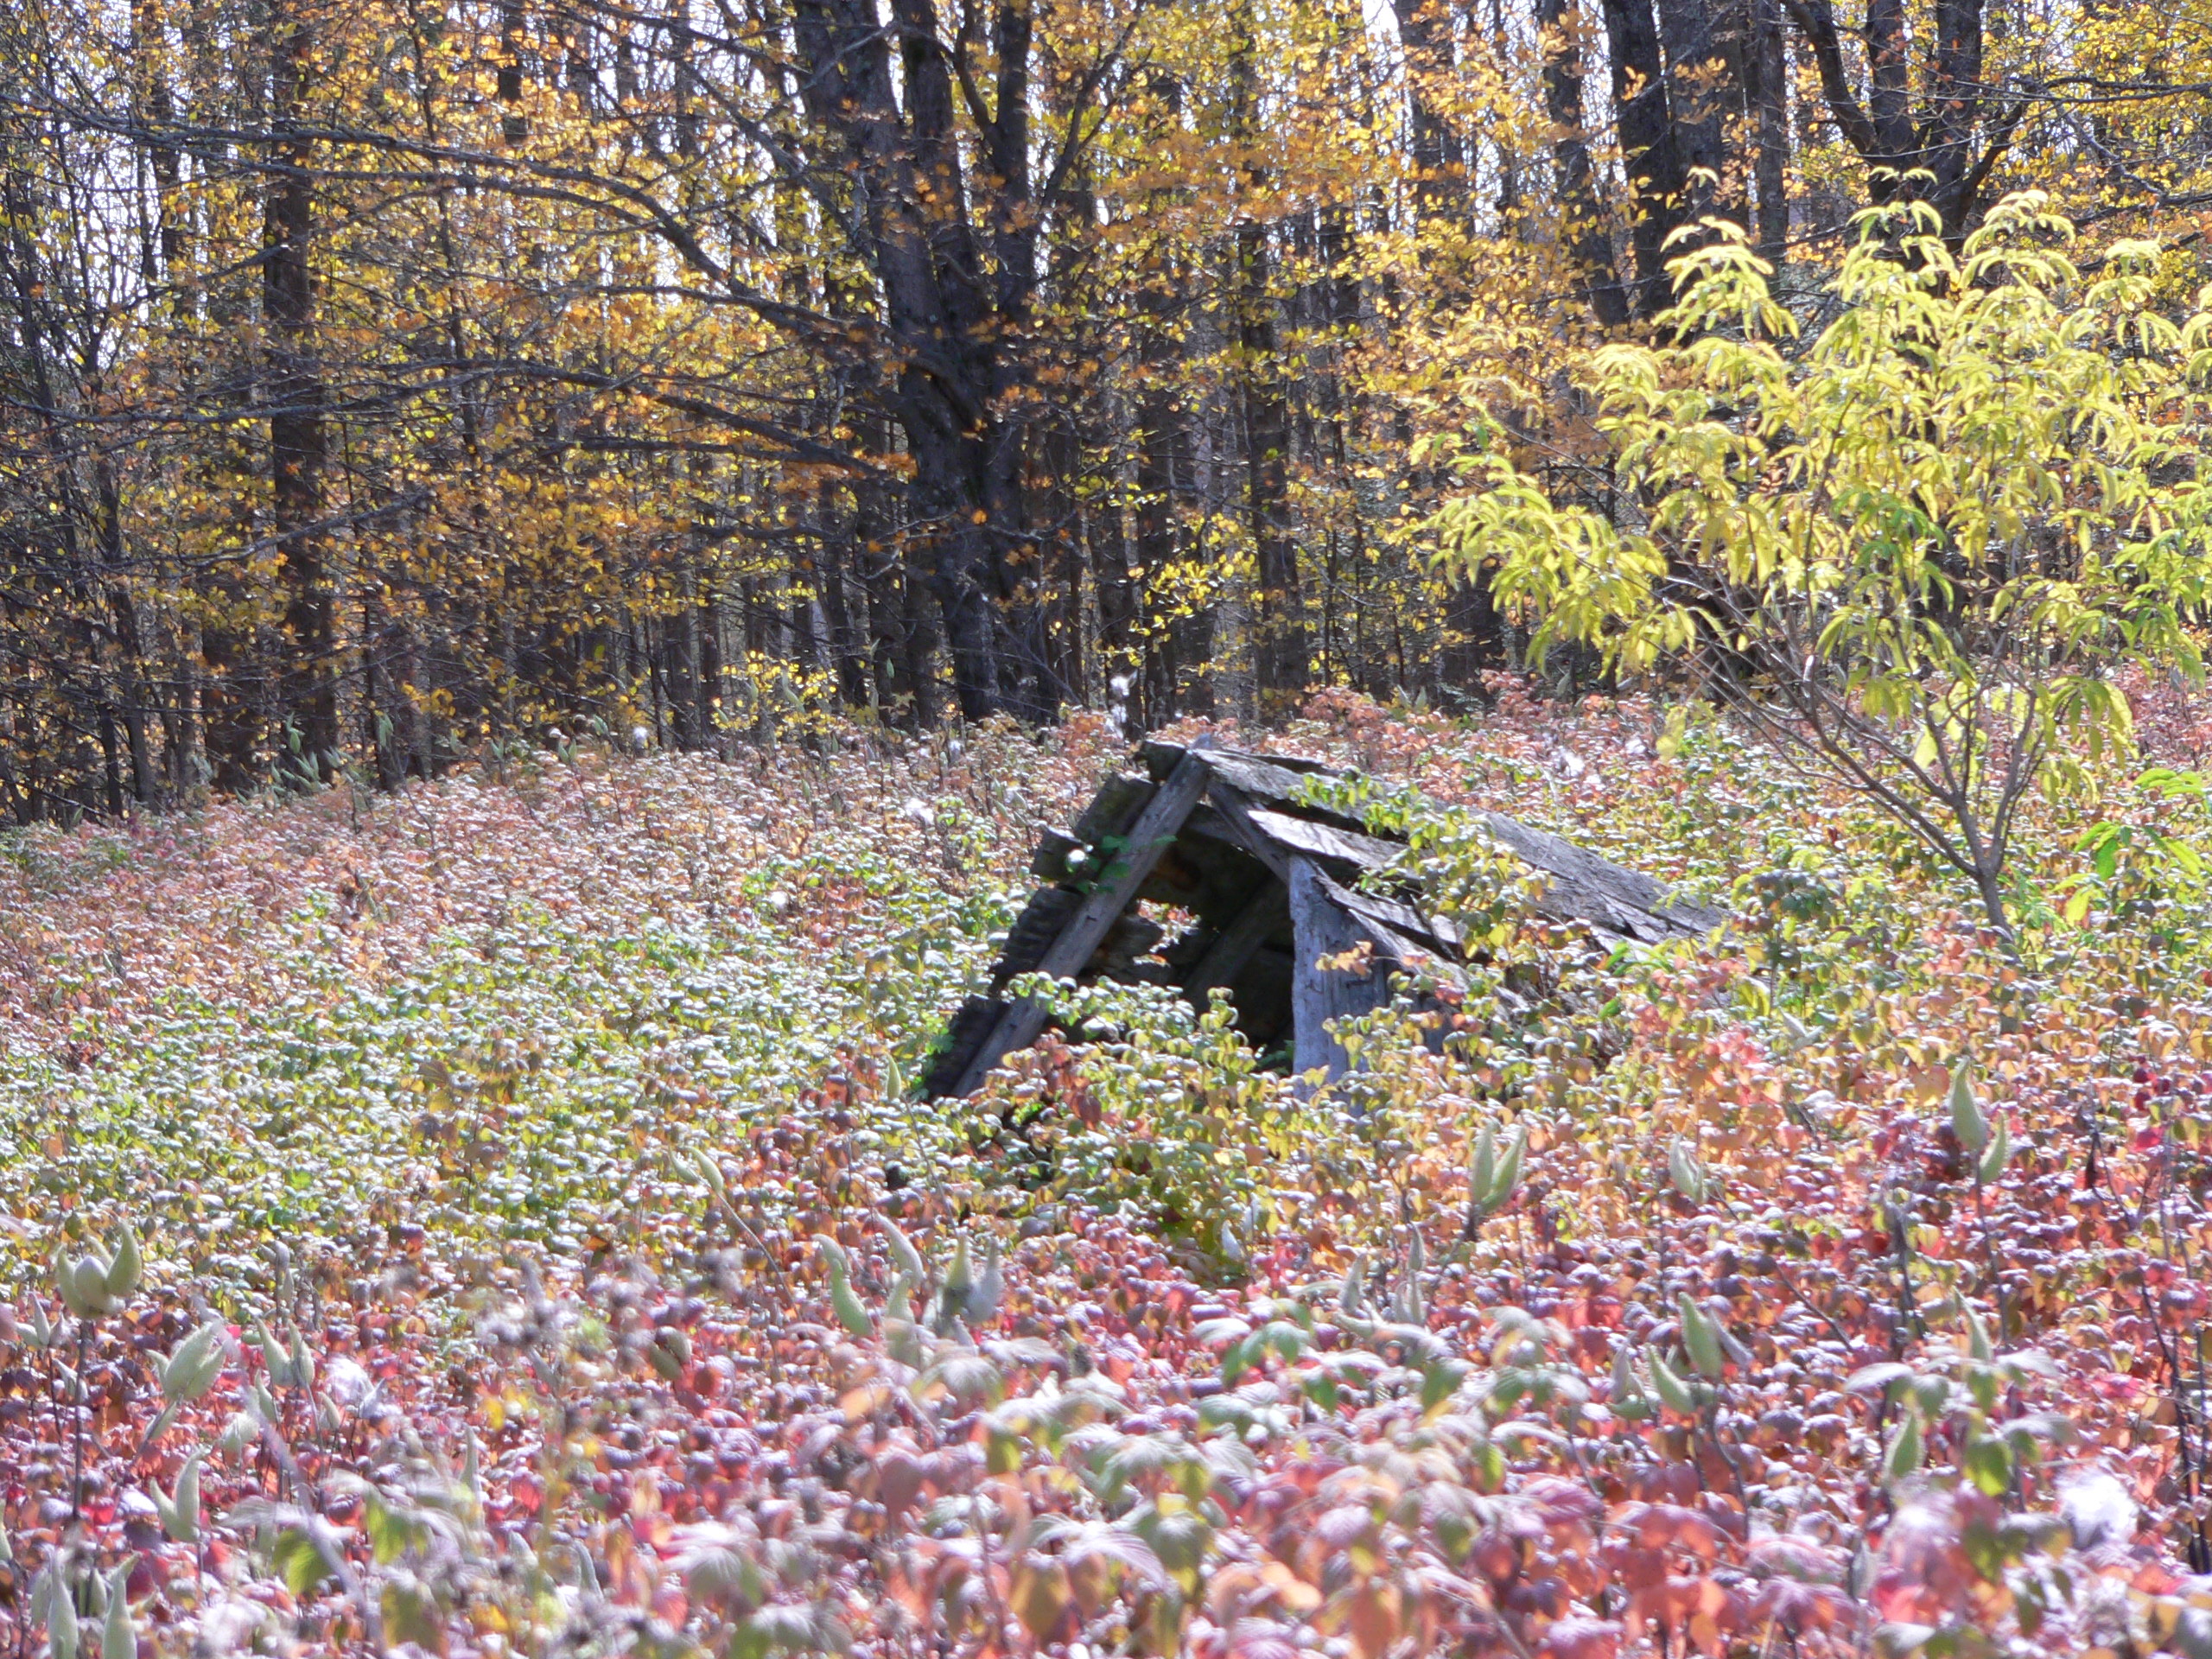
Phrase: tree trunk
{"type": "Point", "coordinates": [1648, 148]}
{"type": "Point", "coordinates": [1944, 154]}
{"type": "Point", "coordinates": [845, 653]}
{"type": "Point", "coordinates": [1279, 649]}
{"type": "Point", "coordinates": [1768, 97]}
{"type": "Point", "coordinates": [1425, 40]}
{"type": "Point", "coordinates": [1582, 220]}
{"type": "Point", "coordinates": [298, 444]}
{"type": "Point", "coordinates": [1704, 86]}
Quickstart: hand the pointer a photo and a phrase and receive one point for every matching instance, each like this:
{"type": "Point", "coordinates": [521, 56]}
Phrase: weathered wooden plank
{"type": "Point", "coordinates": [1326, 842]}
{"type": "Point", "coordinates": [1583, 887]}
{"type": "Point", "coordinates": [968, 1028]}
{"type": "Point", "coordinates": [1236, 813]}
{"type": "Point", "coordinates": [1420, 928]}
{"type": "Point", "coordinates": [1148, 838]}
{"type": "Point", "coordinates": [1300, 837]}
{"type": "Point", "coordinates": [1226, 957]}
{"type": "Point", "coordinates": [1162, 758]}
{"type": "Point", "coordinates": [1265, 782]}
{"type": "Point", "coordinates": [1325, 927]}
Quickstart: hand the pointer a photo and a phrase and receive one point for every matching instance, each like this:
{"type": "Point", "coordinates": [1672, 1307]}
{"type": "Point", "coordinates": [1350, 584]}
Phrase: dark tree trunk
{"type": "Point", "coordinates": [1649, 152]}
{"type": "Point", "coordinates": [918, 644]}
{"type": "Point", "coordinates": [680, 659]}
{"type": "Point", "coordinates": [1425, 38]}
{"type": "Point", "coordinates": [846, 655]}
{"type": "Point", "coordinates": [1280, 650]}
{"type": "Point", "coordinates": [957, 297]}
{"type": "Point", "coordinates": [1176, 670]}
{"type": "Point", "coordinates": [1582, 220]}
{"type": "Point", "coordinates": [298, 443]}
{"type": "Point", "coordinates": [1704, 42]}
{"type": "Point", "coordinates": [1945, 152]}
{"type": "Point", "coordinates": [1768, 94]}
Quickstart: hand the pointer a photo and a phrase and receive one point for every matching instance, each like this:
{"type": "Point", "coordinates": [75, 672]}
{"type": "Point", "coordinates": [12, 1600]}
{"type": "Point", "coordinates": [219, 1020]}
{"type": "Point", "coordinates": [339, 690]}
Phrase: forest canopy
{"type": "Point", "coordinates": [387, 381]}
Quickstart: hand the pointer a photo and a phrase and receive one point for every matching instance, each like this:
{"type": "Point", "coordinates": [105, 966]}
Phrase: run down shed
{"type": "Point", "coordinates": [1223, 835]}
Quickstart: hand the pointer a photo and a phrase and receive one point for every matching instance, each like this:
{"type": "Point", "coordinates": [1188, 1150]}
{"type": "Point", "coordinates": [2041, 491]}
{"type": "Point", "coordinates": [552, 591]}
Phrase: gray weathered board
{"type": "Point", "coordinates": [1274, 888]}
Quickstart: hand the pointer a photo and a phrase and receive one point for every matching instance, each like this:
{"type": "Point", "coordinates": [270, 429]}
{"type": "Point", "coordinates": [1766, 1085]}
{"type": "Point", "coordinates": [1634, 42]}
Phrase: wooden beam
{"type": "Point", "coordinates": [1237, 812]}
{"type": "Point", "coordinates": [1321, 841]}
{"type": "Point", "coordinates": [1148, 838]}
{"type": "Point", "coordinates": [1225, 957]}
{"type": "Point", "coordinates": [1322, 926]}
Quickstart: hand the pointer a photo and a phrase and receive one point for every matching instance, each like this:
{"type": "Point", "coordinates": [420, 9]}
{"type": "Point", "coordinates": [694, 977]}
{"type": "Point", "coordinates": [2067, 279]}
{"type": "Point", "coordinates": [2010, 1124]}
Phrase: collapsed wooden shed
{"type": "Point", "coordinates": [1272, 887]}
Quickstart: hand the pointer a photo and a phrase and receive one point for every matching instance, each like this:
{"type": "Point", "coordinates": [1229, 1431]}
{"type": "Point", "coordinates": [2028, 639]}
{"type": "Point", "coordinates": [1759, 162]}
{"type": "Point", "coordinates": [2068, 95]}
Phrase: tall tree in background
{"type": "Point", "coordinates": [1940, 142]}
{"type": "Point", "coordinates": [298, 441]}
{"type": "Point", "coordinates": [1562, 34]}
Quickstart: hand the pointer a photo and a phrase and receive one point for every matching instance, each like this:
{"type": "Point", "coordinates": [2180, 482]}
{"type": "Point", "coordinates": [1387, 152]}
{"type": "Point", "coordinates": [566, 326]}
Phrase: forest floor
{"type": "Point", "coordinates": [575, 1272]}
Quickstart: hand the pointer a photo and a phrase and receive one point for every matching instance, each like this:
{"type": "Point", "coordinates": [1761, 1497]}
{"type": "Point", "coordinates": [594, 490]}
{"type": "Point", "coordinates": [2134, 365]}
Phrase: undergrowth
{"type": "Point", "coordinates": [495, 1219]}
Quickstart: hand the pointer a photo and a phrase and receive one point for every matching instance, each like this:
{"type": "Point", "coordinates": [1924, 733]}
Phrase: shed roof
{"type": "Point", "coordinates": [1272, 885]}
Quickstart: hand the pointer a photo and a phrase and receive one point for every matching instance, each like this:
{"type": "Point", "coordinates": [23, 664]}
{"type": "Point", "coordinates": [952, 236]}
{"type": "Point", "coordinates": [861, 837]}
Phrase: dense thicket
{"type": "Point", "coordinates": [382, 380]}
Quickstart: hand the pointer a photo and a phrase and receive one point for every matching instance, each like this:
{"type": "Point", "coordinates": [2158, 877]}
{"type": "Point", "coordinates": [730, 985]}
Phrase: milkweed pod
{"type": "Point", "coordinates": [180, 1513]}
{"type": "Point", "coordinates": [62, 1632]}
{"type": "Point", "coordinates": [1968, 1120]}
{"type": "Point", "coordinates": [989, 1288]}
{"type": "Point", "coordinates": [116, 1636]}
{"type": "Point", "coordinates": [1999, 1152]}
{"type": "Point", "coordinates": [1683, 1170]}
{"type": "Point", "coordinates": [1484, 1169]}
{"type": "Point", "coordinates": [850, 1313]}
{"type": "Point", "coordinates": [126, 1267]}
{"type": "Point", "coordinates": [959, 1281]}
{"type": "Point", "coordinates": [1629, 1399]}
{"type": "Point", "coordinates": [1673, 1390]}
{"type": "Point", "coordinates": [1410, 1309]}
{"type": "Point", "coordinates": [1905, 1451]}
{"type": "Point", "coordinates": [1349, 1296]}
{"type": "Point", "coordinates": [88, 1280]}
{"type": "Point", "coordinates": [902, 1251]}
{"type": "Point", "coordinates": [65, 1286]}
{"type": "Point", "coordinates": [237, 1434]}
{"type": "Point", "coordinates": [1508, 1178]}
{"type": "Point", "coordinates": [899, 1306]}
{"type": "Point", "coordinates": [118, 1640]}
{"type": "Point", "coordinates": [1702, 1338]}
{"type": "Point", "coordinates": [710, 1172]}
{"type": "Point", "coordinates": [277, 1357]}
{"type": "Point", "coordinates": [198, 1361]}
{"type": "Point", "coordinates": [1978, 1343]}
